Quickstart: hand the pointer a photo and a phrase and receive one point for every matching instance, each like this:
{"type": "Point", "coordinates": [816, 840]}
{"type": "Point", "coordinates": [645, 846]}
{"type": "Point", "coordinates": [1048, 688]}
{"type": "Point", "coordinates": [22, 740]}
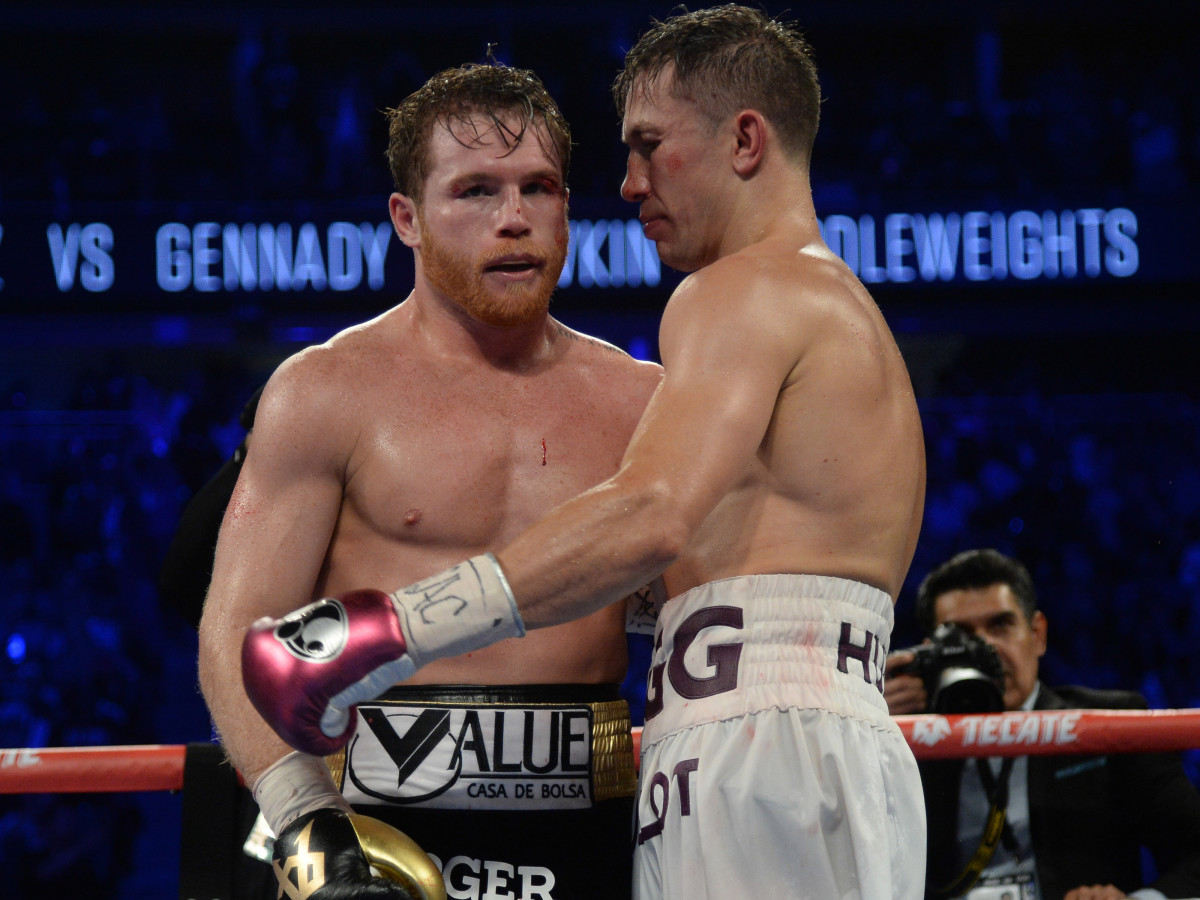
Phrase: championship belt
{"type": "Point", "coordinates": [494, 748]}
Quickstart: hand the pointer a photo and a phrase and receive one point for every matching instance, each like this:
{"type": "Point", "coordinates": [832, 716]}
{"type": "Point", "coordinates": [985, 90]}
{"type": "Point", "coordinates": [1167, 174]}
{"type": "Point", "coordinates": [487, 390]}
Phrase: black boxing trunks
{"type": "Point", "coordinates": [521, 792]}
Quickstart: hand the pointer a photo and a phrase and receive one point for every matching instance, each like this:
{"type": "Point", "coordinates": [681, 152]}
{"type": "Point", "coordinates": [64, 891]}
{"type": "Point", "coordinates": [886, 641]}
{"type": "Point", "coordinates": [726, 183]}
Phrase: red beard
{"type": "Point", "coordinates": [462, 279]}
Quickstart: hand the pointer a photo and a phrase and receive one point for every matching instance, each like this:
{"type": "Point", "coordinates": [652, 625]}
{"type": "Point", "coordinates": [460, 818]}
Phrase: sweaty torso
{"type": "Point", "coordinates": [837, 484]}
{"type": "Point", "coordinates": [454, 457]}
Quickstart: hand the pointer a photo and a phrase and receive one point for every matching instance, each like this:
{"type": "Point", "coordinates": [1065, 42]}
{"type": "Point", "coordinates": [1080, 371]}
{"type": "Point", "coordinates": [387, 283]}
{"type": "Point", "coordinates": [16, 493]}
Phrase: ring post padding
{"type": "Point", "coordinates": [208, 836]}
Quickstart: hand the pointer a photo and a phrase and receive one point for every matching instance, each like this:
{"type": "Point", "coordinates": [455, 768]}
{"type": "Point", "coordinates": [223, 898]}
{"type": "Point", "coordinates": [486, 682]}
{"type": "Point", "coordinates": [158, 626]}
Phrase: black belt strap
{"type": "Point", "coordinates": [995, 830]}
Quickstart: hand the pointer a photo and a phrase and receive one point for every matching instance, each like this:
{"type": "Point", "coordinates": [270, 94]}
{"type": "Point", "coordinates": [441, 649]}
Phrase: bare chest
{"type": "Point", "coordinates": [468, 465]}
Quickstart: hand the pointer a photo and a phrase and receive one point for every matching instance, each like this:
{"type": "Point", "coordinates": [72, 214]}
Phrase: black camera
{"type": "Point", "coordinates": [962, 672]}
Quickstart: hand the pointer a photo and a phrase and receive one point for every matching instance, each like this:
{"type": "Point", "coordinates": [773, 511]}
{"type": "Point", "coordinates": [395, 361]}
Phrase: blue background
{"type": "Point", "coordinates": [1060, 413]}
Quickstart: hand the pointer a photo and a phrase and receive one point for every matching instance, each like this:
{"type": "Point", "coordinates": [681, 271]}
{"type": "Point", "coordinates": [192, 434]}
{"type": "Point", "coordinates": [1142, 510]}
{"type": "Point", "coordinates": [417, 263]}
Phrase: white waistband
{"type": "Point", "coordinates": [756, 642]}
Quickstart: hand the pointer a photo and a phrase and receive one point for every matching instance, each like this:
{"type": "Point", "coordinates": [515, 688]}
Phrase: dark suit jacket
{"type": "Point", "coordinates": [1088, 814]}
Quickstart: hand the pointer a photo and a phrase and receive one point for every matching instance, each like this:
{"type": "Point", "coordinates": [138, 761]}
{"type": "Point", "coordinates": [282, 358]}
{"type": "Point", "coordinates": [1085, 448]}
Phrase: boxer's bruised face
{"type": "Point", "coordinates": [994, 614]}
{"type": "Point", "coordinates": [491, 228]}
{"type": "Point", "coordinates": [676, 160]}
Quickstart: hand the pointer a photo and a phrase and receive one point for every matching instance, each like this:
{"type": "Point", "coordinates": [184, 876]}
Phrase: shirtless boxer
{"type": "Point", "coordinates": [440, 430]}
{"type": "Point", "coordinates": [777, 477]}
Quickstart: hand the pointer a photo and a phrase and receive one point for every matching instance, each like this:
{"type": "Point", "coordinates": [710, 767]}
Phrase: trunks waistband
{"type": "Point", "coordinates": [742, 645]}
{"type": "Point", "coordinates": [508, 747]}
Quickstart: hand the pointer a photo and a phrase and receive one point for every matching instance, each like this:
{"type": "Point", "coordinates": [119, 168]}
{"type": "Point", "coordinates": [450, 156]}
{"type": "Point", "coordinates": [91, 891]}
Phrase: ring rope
{"type": "Point", "coordinates": [1051, 732]}
{"type": "Point", "coordinates": [159, 767]}
{"type": "Point", "coordinates": [90, 770]}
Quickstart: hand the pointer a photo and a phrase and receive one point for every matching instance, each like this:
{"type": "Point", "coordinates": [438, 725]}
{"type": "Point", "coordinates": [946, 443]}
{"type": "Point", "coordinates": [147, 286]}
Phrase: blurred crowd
{"type": "Point", "coordinates": [219, 108]}
{"type": "Point", "coordinates": [89, 656]}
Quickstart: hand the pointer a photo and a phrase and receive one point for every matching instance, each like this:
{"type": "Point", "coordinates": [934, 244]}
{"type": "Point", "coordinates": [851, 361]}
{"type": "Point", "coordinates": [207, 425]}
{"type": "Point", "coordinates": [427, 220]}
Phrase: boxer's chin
{"type": "Point", "coordinates": [490, 296]}
{"type": "Point", "coordinates": [512, 307]}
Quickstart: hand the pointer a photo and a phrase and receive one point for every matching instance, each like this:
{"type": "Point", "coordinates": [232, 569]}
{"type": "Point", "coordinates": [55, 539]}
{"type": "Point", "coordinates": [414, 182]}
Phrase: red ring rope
{"type": "Point", "coordinates": [65, 770]}
{"type": "Point", "coordinates": [160, 767]}
{"type": "Point", "coordinates": [1047, 732]}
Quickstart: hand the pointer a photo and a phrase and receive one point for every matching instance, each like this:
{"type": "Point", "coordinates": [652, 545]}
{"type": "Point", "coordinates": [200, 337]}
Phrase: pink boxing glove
{"type": "Point", "coordinates": [305, 673]}
{"type": "Point", "coordinates": [293, 667]}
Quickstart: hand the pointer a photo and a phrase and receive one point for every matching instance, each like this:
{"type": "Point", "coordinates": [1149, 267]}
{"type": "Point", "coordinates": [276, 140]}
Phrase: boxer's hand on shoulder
{"type": "Point", "coordinates": [306, 672]}
{"type": "Point", "coordinates": [327, 855]}
{"type": "Point", "coordinates": [904, 694]}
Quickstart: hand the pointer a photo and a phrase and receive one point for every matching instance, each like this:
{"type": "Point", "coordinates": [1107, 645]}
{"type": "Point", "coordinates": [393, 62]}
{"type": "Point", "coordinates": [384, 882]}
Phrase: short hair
{"type": "Point", "coordinates": [971, 570]}
{"type": "Point", "coordinates": [730, 58]}
{"type": "Point", "coordinates": [457, 94]}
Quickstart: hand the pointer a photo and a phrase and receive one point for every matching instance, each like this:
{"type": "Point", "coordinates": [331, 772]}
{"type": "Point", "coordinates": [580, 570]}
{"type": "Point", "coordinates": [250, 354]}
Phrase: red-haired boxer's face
{"type": "Point", "coordinates": [994, 614]}
{"type": "Point", "coordinates": [674, 171]}
{"type": "Point", "coordinates": [491, 230]}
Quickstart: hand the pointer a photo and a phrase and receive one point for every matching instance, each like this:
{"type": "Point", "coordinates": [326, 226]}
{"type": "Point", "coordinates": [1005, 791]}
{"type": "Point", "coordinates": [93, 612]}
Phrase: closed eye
{"type": "Point", "coordinates": [642, 146]}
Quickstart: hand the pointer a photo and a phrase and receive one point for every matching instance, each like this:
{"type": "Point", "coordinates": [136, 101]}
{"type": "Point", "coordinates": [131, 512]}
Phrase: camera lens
{"type": "Point", "coordinates": [966, 691]}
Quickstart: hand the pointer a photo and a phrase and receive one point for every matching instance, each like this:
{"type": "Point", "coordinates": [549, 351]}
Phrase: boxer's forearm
{"type": "Point", "coordinates": [592, 551]}
{"type": "Point", "coordinates": [249, 741]}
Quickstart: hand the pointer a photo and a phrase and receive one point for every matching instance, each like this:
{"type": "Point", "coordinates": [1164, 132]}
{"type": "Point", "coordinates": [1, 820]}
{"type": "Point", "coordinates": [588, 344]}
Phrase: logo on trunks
{"type": "Point", "coordinates": [315, 634]}
{"type": "Point", "coordinates": [659, 788]}
{"type": "Point", "coordinates": [870, 653]}
{"type": "Point", "coordinates": [721, 658]}
{"type": "Point", "coordinates": [472, 758]}
{"type": "Point", "coordinates": [488, 879]}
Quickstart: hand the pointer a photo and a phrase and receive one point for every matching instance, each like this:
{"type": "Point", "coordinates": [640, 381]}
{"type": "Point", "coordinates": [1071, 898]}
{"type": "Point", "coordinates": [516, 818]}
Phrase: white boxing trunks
{"type": "Point", "coordinates": [769, 764]}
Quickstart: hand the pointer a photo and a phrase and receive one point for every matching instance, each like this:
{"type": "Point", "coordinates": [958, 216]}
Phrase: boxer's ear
{"type": "Point", "coordinates": [750, 133]}
{"type": "Point", "coordinates": [405, 220]}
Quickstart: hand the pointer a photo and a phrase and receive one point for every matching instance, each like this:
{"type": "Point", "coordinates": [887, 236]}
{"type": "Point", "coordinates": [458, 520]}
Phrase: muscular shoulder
{"type": "Point", "coordinates": [767, 297]}
{"type": "Point", "coordinates": [314, 380]}
{"type": "Point", "coordinates": [314, 399]}
{"type": "Point", "coordinates": [608, 367]}
{"type": "Point", "coordinates": [777, 285]}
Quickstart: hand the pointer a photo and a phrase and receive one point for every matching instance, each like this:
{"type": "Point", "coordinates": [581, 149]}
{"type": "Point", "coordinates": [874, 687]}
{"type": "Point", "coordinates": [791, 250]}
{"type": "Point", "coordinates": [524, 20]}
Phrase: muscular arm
{"type": "Point", "coordinates": [269, 554]}
{"type": "Point", "coordinates": [725, 360]}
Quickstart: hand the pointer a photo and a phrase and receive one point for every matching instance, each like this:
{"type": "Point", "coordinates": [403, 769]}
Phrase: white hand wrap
{"type": "Point", "coordinates": [295, 785]}
{"type": "Point", "coordinates": [466, 607]}
{"type": "Point", "coordinates": [459, 610]}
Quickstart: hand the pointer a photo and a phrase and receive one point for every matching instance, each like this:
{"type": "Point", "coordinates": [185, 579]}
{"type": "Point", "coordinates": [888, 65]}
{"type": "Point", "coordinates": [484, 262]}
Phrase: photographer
{"type": "Point", "coordinates": [1073, 825]}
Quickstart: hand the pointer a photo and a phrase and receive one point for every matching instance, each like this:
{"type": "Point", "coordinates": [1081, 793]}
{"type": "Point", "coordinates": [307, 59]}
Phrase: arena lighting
{"type": "Point", "coordinates": [131, 254]}
{"type": "Point", "coordinates": [213, 257]}
{"type": "Point", "coordinates": [986, 246]}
